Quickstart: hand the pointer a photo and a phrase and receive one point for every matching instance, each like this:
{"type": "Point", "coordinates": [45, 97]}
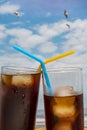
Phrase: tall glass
{"type": "Point", "coordinates": [20, 87]}
{"type": "Point", "coordinates": [64, 108]}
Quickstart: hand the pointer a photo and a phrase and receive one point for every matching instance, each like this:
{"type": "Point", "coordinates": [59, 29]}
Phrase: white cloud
{"type": "Point", "coordinates": [17, 59]}
{"type": "Point", "coordinates": [51, 30]}
{"type": "Point", "coordinates": [17, 32]}
{"type": "Point", "coordinates": [8, 8]}
{"type": "Point", "coordinates": [2, 27]}
{"type": "Point", "coordinates": [24, 37]}
{"type": "Point", "coordinates": [2, 32]}
{"type": "Point", "coordinates": [2, 35]}
{"type": "Point", "coordinates": [47, 47]}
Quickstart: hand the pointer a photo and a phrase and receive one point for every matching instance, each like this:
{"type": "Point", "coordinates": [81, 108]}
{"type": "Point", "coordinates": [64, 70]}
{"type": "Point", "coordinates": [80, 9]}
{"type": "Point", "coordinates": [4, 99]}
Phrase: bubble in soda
{"type": "Point", "coordinates": [22, 80]}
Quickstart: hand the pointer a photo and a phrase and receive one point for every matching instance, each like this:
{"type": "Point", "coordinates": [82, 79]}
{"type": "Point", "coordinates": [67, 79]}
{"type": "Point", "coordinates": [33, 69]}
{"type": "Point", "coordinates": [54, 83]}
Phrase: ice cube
{"type": "Point", "coordinates": [64, 91]}
{"type": "Point", "coordinates": [63, 126]}
{"type": "Point", "coordinates": [64, 107]}
{"type": "Point", "coordinates": [63, 112]}
{"type": "Point", "coordinates": [22, 80]}
{"type": "Point", "coordinates": [6, 79]}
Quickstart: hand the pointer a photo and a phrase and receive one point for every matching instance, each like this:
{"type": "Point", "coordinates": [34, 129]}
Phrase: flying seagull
{"type": "Point", "coordinates": [68, 25]}
{"type": "Point", "coordinates": [65, 13]}
{"type": "Point", "coordinates": [16, 13]}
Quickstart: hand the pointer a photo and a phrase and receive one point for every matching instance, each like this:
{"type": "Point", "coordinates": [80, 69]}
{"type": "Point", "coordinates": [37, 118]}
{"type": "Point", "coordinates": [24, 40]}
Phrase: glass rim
{"type": "Point", "coordinates": [19, 70]}
{"type": "Point", "coordinates": [63, 69]}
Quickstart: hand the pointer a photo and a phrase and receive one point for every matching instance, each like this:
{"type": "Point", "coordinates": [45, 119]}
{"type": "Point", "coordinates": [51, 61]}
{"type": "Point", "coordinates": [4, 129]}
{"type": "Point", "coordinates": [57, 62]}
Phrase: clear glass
{"type": "Point", "coordinates": [20, 88]}
{"type": "Point", "coordinates": [64, 108]}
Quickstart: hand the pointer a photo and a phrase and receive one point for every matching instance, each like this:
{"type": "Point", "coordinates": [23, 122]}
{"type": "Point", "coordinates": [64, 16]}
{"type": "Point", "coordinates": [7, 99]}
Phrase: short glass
{"type": "Point", "coordinates": [64, 108]}
{"type": "Point", "coordinates": [20, 87]}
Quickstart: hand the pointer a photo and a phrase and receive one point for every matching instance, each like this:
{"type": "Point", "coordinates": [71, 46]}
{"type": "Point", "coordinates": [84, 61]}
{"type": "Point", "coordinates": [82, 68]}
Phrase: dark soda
{"type": "Point", "coordinates": [19, 101]}
{"type": "Point", "coordinates": [64, 113]}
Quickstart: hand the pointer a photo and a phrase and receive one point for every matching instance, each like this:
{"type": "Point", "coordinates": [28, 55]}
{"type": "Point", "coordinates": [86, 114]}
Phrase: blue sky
{"type": "Point", "coordinates": [41, 29]}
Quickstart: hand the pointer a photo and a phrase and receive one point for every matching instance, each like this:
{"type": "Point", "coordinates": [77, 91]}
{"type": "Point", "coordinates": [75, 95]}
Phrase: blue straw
{"type": "Point", "coordinates": [41, 62]}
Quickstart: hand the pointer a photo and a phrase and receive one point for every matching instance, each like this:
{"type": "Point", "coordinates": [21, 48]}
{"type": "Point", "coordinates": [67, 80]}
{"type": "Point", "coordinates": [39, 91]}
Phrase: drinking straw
{"type": "Point", "coordinates": [40, 61]}
{"type": "Point", "coordinates": [57, 57]}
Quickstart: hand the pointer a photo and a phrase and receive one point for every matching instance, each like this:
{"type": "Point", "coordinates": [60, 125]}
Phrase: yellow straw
{"type": "Point", "coordinates": [57, 57]}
